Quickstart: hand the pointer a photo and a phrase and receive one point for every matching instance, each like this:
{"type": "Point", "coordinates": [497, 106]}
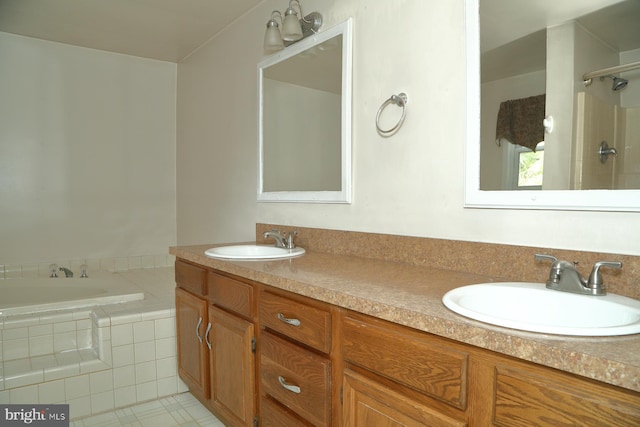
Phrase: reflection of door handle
{"type": "Point", "coordinates": [604, 152]}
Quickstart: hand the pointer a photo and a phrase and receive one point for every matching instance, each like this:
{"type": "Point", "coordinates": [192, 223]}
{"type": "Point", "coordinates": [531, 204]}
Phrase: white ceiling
{"type": "Point", "coordinates": [166, 30]}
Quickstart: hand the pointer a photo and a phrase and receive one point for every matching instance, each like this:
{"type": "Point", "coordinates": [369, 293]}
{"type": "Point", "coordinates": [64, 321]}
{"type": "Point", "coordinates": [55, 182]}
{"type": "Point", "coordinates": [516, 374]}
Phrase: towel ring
{"type": "Point", "coordinates": [401, 101]}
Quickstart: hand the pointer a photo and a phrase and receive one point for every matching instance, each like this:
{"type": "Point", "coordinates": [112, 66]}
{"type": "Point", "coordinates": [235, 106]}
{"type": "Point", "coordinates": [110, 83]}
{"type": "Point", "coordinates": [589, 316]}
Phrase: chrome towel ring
{"type": "Point", "coordinates": [401, 101]}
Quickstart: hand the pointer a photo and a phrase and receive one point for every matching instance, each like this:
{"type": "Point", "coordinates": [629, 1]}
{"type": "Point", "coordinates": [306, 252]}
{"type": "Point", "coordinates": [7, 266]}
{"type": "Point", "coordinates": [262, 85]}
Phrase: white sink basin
{"type": "Point", "coordinates": [252, 252]}
{"type": "Point", "coordinates": [533, 307]}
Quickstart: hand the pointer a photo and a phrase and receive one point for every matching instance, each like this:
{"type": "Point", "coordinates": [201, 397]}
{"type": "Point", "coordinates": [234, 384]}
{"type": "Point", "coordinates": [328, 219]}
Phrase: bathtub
{"type": "Point", "coordinates": [24, 296]}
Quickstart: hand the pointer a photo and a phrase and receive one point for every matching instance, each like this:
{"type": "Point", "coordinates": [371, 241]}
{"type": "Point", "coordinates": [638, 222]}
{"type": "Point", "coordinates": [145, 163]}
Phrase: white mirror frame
{"type": "Point", "coordinates": [592, 200]}
{"type": "Point", "coordinates": [344, 195]}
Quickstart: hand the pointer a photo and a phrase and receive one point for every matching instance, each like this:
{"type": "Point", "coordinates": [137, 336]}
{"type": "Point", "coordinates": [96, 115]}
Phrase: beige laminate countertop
{"type": "Point", "coordinates": [411, 295]}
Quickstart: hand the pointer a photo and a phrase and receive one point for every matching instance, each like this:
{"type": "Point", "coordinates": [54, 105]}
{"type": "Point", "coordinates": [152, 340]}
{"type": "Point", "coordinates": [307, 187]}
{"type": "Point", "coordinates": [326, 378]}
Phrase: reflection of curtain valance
{"type": "Point", "coordinates": [520, 121]}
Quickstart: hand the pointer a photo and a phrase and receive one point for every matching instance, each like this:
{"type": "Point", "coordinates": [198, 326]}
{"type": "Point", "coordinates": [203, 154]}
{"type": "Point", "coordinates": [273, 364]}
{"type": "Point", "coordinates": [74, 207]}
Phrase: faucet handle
{"type": "Point", "coordinates": [290, 243]}
{"type": "Point", "coordinates": [543, 257]}
{"type": "Point", "coordinates": [595, 278]}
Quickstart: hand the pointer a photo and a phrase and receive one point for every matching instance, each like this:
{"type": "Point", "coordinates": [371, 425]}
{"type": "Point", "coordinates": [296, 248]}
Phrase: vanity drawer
{"type": "Point", "coordinates": [297, 378]}
{"type": "Point", "coordinates": [273, 415]}
{"type": "Point", "coordinates": [299, 321]}
{"type": "Point", "coordinates": [191, 278]}
{"type": "Point", "coordinates": [231, 294]}
{"type": "Point", "coordinates": [406, 357]}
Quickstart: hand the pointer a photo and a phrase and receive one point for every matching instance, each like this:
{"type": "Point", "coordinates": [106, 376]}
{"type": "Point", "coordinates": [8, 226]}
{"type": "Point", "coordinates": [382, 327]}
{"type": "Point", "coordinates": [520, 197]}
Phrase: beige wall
{"type": "Point", "coordinates": [87, 153]}
{"type": "Point", "coordinates": [410, 184]}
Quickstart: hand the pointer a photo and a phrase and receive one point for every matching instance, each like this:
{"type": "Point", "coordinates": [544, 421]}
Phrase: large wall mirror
{"type": "Point", "coordinates": [305, 120]}
{"type": "Point", "coordinates": [526, 62]}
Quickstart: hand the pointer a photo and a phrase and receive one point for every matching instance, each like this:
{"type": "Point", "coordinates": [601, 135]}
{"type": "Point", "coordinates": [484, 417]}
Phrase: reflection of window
{"type": "Point", "coordinates": [524, 167]}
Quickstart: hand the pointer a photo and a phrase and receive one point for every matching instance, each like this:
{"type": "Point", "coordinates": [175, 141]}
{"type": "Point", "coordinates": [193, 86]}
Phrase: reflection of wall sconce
{"type": "Point", "coordinates": [293, 28]}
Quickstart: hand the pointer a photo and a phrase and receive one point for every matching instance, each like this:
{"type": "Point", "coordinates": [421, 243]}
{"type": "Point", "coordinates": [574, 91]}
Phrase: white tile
{"type": "Point", "coordinates": [166, 347]}
{"type": "Point", "coordinates": [143, 331]}
{"type": "Point", "coordinates": [24, 394]}
{"type": "Point", "coordinates": [76, 387]}
{"type": "Point", "coordinates": [125, 318]}
{"type": "Point", "coordinates": [23, 379]}
{"type": "Point", "coordinates": [45, 361]}
{"type": "Point", "coordinates": [39, 330]}
{"type": "Point", "coordinates": [123, 355]}
{"type": "Point", "coordinates": [100, 382]}
{"type": "Point", "coordinates": [165, 328]}
{"type": "Point", "coordinates": [51, 392]}
{"type": "Point", "coordinates": [39, 346]}
{"type": "Point", "coordinates": [64, 341]}
{"type": "Point", "coordinates": [88, 366]}
{"type": "Point", "coordinates": [84, 338]}
{"type": "Point", "coordinates": [5, 397]}
{"type": "Point", "coordinates": [125, 396]}
{"type": "Point", "coordinates": [64, 371]}
{"type": "Point", "coordinates": [167, 386]}
{"type": "Point", "coordinates": [146, 391]}
{"type": "Point", "coordinates": [15, 348]}
{"type": "Point", "coordinates": [145, 372]}
{"type": "Point", "coordinates": [124, 376]}
{"type": "Point", "coordinates": [102, 402]}
{"type": "Point", "coordinates": [145, 351]}
{"type": "Point", "coordinates": [122, 334]}
{"type": "Point", "coordinates": [167, 367]}
{"type": "Point", "coordinates": [79, 407]}
{"type": "Point", "coordinates": [61, 327]}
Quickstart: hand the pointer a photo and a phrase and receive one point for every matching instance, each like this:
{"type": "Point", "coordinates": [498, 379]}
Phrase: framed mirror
{"type": "Point", "coordinates": [305, 120]}
{"type": "Point", "coordinates": [550, 47]}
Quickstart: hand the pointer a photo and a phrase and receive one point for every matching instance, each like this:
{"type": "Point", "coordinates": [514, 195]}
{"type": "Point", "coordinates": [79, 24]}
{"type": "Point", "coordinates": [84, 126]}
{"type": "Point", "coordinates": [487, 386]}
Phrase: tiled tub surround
{"type": "Point", "coordinates": [97, 358]}
{"type": "Point", "coordinates": [409, 293]}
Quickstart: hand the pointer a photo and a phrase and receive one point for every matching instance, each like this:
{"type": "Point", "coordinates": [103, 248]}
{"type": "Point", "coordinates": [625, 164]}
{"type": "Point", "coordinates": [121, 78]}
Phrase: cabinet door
{"type": "Point", "coordinates": [370, 404]}
{"type": "Point", "coordinates": [232, 366]}
{"type": "Point", "coordinates": [191, 319]}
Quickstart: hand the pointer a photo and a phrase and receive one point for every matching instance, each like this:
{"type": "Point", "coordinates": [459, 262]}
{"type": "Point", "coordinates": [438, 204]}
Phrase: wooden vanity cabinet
{"type": "Point", "coordinates": [398, 376]}
{"type": "Point", "coordinates": [191, 323]}
{"type": "Point", "coordinates": [295, 367]}
{"type": "Point", "coordinates": [232, 344]}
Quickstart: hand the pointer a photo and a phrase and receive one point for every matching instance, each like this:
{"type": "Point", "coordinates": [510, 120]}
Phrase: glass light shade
{"type": "Point", "coordinates": [272, 39]}
{"type": "Point", "coordinates": [291, 28]}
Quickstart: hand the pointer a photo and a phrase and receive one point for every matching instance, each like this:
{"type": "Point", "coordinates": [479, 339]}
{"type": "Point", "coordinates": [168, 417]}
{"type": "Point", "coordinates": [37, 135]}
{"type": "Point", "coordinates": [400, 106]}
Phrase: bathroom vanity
{"type": "Point", "coordinates": [335, 340]}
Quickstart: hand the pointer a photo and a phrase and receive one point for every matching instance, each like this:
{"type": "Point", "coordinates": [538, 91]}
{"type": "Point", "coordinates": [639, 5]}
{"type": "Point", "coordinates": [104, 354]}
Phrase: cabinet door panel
{"type": "Point", "coordinates": [370, 404]}
{"type": "Point", "coordinates": [525, 398]}
{"type": "Point", "coordinates": [191, 321]}
{"type": "Point", "coordinates": [232, 366]}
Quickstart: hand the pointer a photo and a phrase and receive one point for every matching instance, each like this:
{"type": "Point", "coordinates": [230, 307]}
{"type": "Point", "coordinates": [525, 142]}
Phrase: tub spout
{"type": "Point", "coordinates": [67, 272]}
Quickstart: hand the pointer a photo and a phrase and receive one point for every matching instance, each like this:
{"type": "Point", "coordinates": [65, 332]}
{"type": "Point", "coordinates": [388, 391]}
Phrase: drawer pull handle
{"type": "Point", "coordinates": [292, 388]}
{"type": "Point", "coordinates": [292, 322]}
{"type": "Point", "coordinates": [198, 330]}
{"type": "Point", "coordinates": [206, 335]}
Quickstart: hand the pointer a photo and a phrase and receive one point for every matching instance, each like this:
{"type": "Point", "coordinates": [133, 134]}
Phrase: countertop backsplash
{"type": "Point", "coordinates": [506, 262]}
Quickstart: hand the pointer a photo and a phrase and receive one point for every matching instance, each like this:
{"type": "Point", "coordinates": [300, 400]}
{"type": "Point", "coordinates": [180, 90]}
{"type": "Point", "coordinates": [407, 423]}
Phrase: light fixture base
{"type": "Point", "coordinates": [311, 24]}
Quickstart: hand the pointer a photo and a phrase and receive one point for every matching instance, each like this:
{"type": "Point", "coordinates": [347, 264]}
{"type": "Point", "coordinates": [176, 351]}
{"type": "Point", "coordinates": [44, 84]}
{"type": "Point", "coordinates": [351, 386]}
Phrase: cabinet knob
{"type": "Point", "coordinates": [292, 388]}
{"type": "Point", "coordinates": [292, 322]}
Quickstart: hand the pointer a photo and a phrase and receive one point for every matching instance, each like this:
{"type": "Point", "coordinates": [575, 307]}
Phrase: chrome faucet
{"type": "Point", "coordinates": [565, 277]}
{"type": "Point", "coordinates": [282, 241]}
{"type": "Point", "coordinates": [67, 272]}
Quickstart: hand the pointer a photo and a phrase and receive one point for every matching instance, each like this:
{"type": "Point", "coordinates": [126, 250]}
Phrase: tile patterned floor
{"type": "Point", "coordinates": [182, 410]}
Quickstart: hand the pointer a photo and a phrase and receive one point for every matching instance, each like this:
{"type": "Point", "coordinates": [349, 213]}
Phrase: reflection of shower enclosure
{"type": "Point", "coordinates": [598, 121]}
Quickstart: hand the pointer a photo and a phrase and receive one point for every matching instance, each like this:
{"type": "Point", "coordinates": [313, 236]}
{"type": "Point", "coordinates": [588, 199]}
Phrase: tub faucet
{"type": "Point", "coordinates": [67, 272]}
{"type": "Point", "coordinates": [281, 241]}
{"type": "Point", "coordinates": [565, 277]}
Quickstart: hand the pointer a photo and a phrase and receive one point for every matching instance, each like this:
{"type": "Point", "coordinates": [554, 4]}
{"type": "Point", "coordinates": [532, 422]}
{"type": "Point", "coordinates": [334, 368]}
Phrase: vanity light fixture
{"type": "Point", "coordinates": [295, 27]}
